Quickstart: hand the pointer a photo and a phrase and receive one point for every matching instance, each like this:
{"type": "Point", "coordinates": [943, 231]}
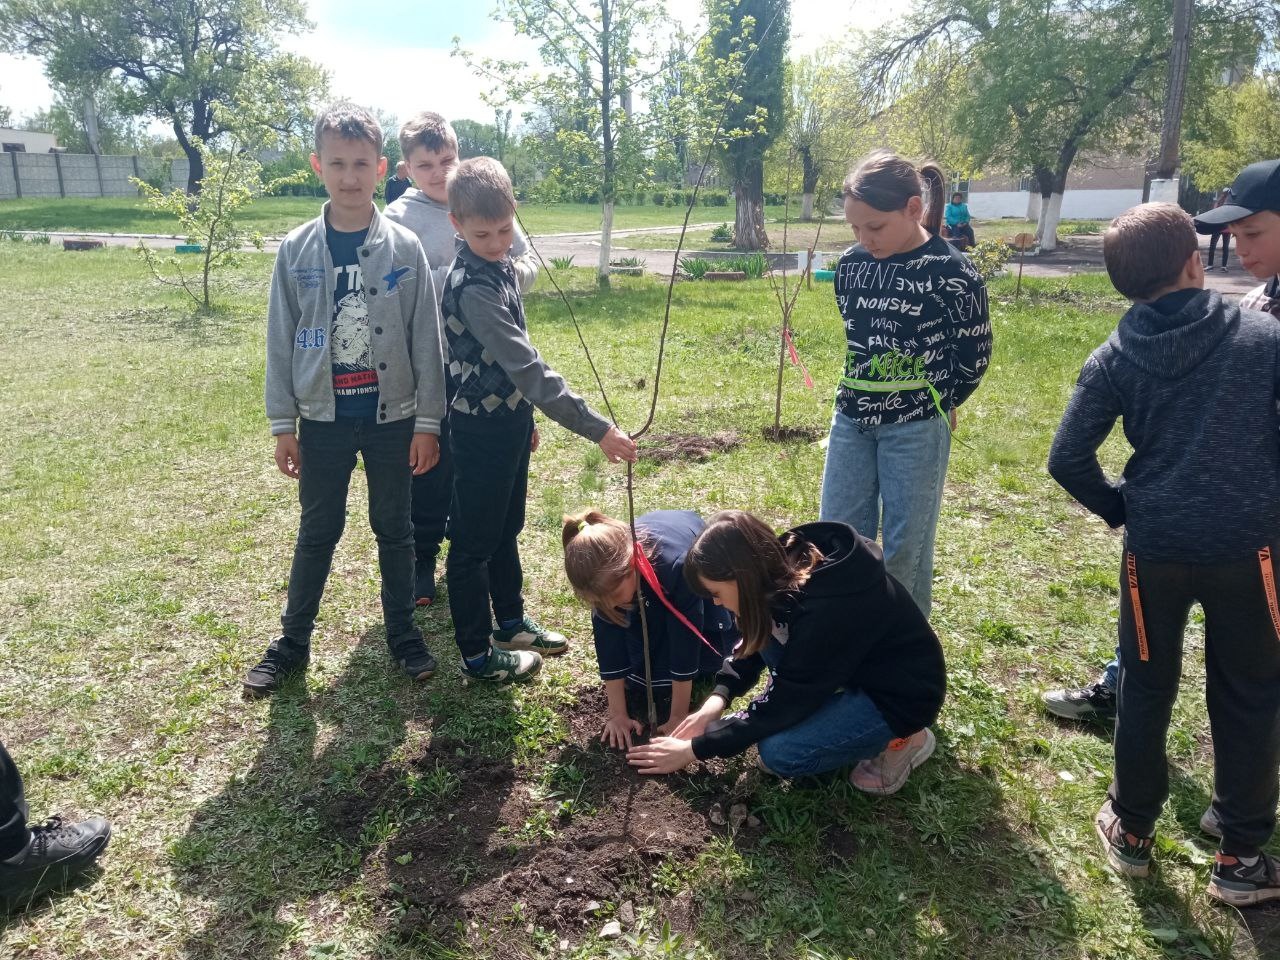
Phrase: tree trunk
{"type": "Point", "coordinates": [91, 131]}
{"type": "Point", "coordinates": [748, 223]}
{"type": "Point", "coordinates": [606, 244]}
{"type": "Point", "coordinates": [1179, 59]}
{"type": "Point", "coordinates": [808, 183]}
{"type": "Point", "coordinates": [1050, 215]}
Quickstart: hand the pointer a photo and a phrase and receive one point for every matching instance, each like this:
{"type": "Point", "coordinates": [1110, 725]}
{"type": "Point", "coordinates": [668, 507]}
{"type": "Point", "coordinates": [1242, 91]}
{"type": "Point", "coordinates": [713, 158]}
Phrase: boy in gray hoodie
{"type": "Point", "coordinates": [430, 148]}
{"type": "Point", "coordinates": [1195, 382]}
{"type": "Point", "coordinates": [354, 366]}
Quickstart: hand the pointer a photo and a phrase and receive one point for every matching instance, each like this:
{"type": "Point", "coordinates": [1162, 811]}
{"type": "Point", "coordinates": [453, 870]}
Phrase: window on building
{"type": "Point", "coordinates": [15, 148]}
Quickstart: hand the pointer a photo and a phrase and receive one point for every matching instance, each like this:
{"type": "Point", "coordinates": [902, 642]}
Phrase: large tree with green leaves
{"type": "Point", "coordinates": [1048, 81]}
{"type": "Point", "coordinates": [746, 47]}
{"type": "Point", "coordinates": [173, 59]}
{"type": "Point", "coordinates": [597, 55]}
{"type": "Point", "coordinates": [1236, 126]}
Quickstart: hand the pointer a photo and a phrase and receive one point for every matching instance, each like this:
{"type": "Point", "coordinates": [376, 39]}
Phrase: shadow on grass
{"type": "Point", "coordinates": [298, 825]}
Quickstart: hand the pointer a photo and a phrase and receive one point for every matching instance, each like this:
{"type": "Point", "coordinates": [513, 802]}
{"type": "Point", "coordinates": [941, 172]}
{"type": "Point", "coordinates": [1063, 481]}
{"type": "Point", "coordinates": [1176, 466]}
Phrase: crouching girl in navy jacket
{"type": "Point", "coordinates": [855, 673]}
{"type": "Point", "coordinates": [599, 560]}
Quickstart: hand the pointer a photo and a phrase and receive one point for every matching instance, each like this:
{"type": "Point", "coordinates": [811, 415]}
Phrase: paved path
{"type": "Point", "coordinates": [1078, 254]}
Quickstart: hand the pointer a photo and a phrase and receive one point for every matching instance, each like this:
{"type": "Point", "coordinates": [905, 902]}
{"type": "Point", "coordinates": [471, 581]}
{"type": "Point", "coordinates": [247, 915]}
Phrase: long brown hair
{"type": "Point", "coordinates": [738, 547]}
{"type": "Point", "coordinates": [885, 181]}
{"type": "Point", "coordinates": [597, 557]}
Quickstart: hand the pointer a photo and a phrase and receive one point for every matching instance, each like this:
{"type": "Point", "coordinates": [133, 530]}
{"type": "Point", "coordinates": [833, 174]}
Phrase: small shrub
{"type": "Point", "coordinates": [13, 236]}
{"type": "Point", "coordinates": [38, 238]}
{"type": "Point", "coordinates": [695, 268]}
{"type": "Point", "coordinates": [753, 265]}
{"type": "Point", "coordinates": [627, 262]}
{"type": "Point", "coordinates": [722, 234]}
{"type": "Point", "coordinates": [660, 198]}
{"type": "Point", "coordinates": [562, 263]}
{"type": "Point", "coordinates": [1089, 228]}
{"type": "Point", "coordinates": [989, 257]}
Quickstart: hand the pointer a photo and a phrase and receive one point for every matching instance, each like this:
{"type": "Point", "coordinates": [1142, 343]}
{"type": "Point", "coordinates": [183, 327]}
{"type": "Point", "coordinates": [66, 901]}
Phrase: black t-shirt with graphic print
{"type": "Point", "coordinates": [355, 382]}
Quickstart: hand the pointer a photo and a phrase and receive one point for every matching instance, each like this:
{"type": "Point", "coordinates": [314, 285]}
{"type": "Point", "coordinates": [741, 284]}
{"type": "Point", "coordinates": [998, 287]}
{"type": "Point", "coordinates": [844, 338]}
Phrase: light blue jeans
{"type": "Point", "coordinates": [845, 729]}
{"type": "Point", "coordinates": [902, 467]}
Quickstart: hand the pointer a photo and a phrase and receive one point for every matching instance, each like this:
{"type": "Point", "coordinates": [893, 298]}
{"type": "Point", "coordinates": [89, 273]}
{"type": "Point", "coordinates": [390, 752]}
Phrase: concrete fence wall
{"type": "Point", "coordinates": [83, 174]}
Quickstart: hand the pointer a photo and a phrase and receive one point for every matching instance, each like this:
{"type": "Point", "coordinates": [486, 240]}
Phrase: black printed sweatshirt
{"type": "Point", "coordinates": [852, 626]}
{"type": "Point", "coordinates": [1195, 381]}
{"type": "Point", "coordinates": [913, 321]}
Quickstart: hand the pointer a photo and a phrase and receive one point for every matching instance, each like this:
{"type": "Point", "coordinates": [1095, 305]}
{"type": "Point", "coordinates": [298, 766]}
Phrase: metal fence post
{"type": "Point", "coordinates": [17, 180]}
{"type": "Point", "coordinates": [57, 165]}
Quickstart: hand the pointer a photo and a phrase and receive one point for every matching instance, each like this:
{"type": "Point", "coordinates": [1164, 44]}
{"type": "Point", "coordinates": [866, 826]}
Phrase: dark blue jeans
{"type": "Point", "coordinates": [328, 456]}
{"type": "Point", "coordinates": [13, 808]}
{"type": "Point", "coordinates": [490, 483]}
{"type": "Point", "coordinates": [432, 493]}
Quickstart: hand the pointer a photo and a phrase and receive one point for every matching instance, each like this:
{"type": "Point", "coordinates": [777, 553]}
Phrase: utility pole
{"type": "Point", "coordinates": [1175, 91]}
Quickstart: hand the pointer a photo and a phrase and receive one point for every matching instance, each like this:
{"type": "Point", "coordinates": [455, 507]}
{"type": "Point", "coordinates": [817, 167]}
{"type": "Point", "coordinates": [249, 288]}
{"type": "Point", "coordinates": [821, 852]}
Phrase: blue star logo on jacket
{"type": "Point", "coordinates": [395, 276]}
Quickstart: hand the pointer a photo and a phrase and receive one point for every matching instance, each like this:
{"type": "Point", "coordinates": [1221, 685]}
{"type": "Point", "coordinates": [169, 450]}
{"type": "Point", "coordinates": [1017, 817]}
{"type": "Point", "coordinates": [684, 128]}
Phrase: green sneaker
{"type": "Point", "coordinates": [503, 666]}
{"type": "Point", "coordinates": [530, 635]}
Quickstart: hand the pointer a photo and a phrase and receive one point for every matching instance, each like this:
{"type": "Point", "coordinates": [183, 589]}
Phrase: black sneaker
{"type": "Point", "coordinates": [1243, 885]}
{"type": "Point", "coordinates": [1127, 853]}
{"type": "Point", "coordinates": [56, 852]}
{"type": "Point", "coordinates": [414, 658]}
{"type": "Point", "coordinates": [277, 666]}
{"type": "Point", "coordinates": [1097, 702]}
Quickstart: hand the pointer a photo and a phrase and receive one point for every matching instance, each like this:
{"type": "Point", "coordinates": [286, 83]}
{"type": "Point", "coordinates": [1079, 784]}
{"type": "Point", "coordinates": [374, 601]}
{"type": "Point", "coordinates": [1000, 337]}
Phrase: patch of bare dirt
{"type": "Point", "coordinates": [791, 434]}
{"type": "Point", "coordinates": [665, 447]}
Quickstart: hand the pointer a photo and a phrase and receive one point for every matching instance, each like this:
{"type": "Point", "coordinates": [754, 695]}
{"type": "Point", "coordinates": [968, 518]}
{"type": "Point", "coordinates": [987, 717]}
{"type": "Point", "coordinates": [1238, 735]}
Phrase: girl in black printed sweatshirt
{"type": "Point", "coordinates": [855, 674]}
{"type": "Point", "coordinates": [919, 341]}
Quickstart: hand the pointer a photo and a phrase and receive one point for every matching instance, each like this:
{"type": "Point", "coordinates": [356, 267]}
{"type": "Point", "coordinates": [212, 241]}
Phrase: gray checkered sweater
{"type": "Point", "coordinates": [493, 369]}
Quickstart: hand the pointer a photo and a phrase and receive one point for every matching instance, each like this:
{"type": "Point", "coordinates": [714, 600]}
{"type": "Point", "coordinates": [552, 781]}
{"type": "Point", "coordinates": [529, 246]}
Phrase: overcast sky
{"type": "Point", "coordinates": [396, 57]}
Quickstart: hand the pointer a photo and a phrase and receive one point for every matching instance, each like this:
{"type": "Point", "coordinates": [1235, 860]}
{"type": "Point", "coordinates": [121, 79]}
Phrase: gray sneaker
{"type": "Point", "coordinates": [1097, 702]}
{"type": "Point", "coordinates": [506, 666]}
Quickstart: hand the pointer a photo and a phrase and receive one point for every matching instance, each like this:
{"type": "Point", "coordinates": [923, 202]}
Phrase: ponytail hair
{"type": "Point", "coordinates": [736, 546]}
{"type": "Point", "coordinates": [597, 557]}
{"type": "Point", "coordinates": [885, 181]}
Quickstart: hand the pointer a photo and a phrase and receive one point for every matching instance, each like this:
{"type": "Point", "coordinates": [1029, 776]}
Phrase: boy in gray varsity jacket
{"type": "Point", "coordinates": [430, 148]}
{"type": "Point", "coordinates": [355, 366]}
{"type": "Point", "coordinates": [496, 378]}
{"type": "Point", "coordinates": [1196, 382]}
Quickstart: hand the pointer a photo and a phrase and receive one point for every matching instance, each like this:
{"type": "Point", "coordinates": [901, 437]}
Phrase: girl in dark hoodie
{"type": "Point", "coordinates": [856, 674]}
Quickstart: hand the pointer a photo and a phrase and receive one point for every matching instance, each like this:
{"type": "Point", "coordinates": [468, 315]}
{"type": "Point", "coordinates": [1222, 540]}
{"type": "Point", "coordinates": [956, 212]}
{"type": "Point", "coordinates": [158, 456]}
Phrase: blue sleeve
{"type": "Point", "coordinates": [611, 648]}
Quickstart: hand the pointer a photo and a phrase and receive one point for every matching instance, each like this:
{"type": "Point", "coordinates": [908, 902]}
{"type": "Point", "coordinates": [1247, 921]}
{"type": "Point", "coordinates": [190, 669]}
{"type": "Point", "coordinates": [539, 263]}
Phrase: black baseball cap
{"type": "Point", "coordinates": [1256, 189]}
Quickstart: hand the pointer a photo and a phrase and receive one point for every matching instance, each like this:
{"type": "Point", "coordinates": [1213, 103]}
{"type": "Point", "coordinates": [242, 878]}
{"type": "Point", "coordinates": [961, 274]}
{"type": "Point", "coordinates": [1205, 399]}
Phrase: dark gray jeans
{"type": "Point", "coordinates": [1242, 662]}
{"type": "Point", "coordinates": [328, 457]}
{"type": "Point", "coordinates": [14, 834]}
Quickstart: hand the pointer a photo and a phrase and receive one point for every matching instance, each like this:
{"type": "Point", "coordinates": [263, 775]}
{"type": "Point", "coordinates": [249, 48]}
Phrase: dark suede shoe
{"type": "Point", "coordinates": [277, 666]}
{"type": "Point", "coordinates": [56, 852]}
{"type": "Point", "coordinates": [414, 658]}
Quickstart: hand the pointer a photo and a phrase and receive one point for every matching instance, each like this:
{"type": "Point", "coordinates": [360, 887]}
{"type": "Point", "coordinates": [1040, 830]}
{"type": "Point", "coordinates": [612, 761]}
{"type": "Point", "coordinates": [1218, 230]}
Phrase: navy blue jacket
{"type": "Point", "coordinates": [674, 652]}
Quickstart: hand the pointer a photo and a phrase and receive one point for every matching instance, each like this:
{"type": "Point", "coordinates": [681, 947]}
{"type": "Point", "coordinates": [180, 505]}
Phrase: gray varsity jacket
{"type": "Point", "coordinates": [404, 322]}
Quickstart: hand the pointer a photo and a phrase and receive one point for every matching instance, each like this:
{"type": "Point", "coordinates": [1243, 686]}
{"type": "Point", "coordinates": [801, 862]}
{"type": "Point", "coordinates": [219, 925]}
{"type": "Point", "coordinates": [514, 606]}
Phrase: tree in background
{"type": "Point", "coordinates": [477, 139]}
{"type": "Point", "coordinates": [1048, 82]}
{"type": "Point", "coordinates": [597, 56]}
{"type": "Point", "coordinates": [1237, 126]}
{"type": "Point", "coordinates": [746, 50]}
{"type": "Point", "coordinates": [91, 122]}
{"type": "Point", "coordinates": [173, 59]}
{"type": "Point", "coordinates": [6, 116]}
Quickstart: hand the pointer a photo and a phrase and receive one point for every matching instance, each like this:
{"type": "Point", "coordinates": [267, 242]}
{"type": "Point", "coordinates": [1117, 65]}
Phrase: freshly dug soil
{"type": "Point", "coordinates": [785, 434]}
{"type": "Point", "coordinates": [664, 447]}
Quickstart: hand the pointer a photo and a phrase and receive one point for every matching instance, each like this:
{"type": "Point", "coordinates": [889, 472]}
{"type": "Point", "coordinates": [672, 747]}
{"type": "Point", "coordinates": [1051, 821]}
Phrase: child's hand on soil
{"type": "Point", "coordinates": [424, 452]}
{"type": "Point", "coordinates": [288, 458]}
{"type": "Point", "coordinates": [695, 725]}
{"type": "Point", "coordinates": [618, 730]}
{"type": "Point", "coordinates": [663, 755]}
{"type": "Point", "coordinates": [671, 726]}
{"type": "Point", "coordinates": [618, 446]}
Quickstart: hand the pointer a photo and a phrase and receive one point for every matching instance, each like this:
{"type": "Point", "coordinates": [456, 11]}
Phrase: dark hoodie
{"type": "Point", "coordinates": [1195, 380]}
{"type": "Point", "coordinates": [851, 626]}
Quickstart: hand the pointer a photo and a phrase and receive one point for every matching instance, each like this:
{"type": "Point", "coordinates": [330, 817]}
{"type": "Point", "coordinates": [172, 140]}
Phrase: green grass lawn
{"type": "Point", "coordinates": [275, 216]}
{"type": "Point", "coordinates": [145, 538]}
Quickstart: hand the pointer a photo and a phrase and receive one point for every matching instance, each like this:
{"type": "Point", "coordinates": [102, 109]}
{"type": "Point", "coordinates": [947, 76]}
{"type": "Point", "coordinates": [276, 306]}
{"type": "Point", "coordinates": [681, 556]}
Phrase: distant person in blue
{"type": "Point", "coordinates": [397, 184]}
{"type": "Point", "coordinates": [599, 560]}
{"type": "Point", "coordinates": [956, 215]}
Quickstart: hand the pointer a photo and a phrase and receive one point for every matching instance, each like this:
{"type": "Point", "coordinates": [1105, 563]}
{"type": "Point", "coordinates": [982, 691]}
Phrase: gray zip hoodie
{"type": "Point", "coordinates": [430, 221]}
{"type": "Point", "coordinates": [404, 323]}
